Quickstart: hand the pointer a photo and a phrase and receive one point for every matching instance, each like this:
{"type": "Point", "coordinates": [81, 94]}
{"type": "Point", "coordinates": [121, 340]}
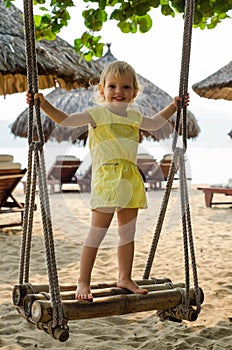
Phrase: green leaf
{"type": "Point", "coordinates": [64, 15]}
{"type": "Point", "coordinates": [94, 18]}
{"type": "Point", "coordinates": [115, 15]}
{"type": "Point", "coordinates": [88, 56]}
{"type": "Point", "coordinates": [62, 3]}
{"type": "Point", "coordinates": [98, 49]}
{"type": "Point", "coordinates": [78, 44]}
{"type": "Point", "coordinates": [202, 25]}
{"type": "Point", "coordinates": [167, 10]}
{"type": "Point", "coordinates": [141, 9]}
{"type": "Point", "coordinates": [145, 23]}
{"type": "Point", "coordinates": [197, 17]}
{"type": "Point", "coordinates": [42, 8]}
{"type": "Point", "coordinates": [39, 2]}
{"type": "Point", "coordinates": [154, 3]}
{"type": "Point", "coordinates": [85, 37]}
{"type": "Point", "coordinates": [101, 15]}
{"type": "Point", "coordinates": [45, 34]}
{"type": "Point", "coordinates": [55, 27]}
{"type": "Point", "coordinates": [45, 19]}
{"type": "Point", "coordinates": [179, 5]}
{"type": "Point", "coordinates": [133, 28]}
{"type": "Point", "coordinates": [124, 26]}
{"type": "Point", "coordinates": [206, 9]}
{"type": "Point", "coordinates": [222, 5]}
{"type": "Point", "coordinates": [120, 15]}
{"type": "Point", "coordinates": [112, 2]}
{"type": "Point", "coordinates": [212, 25]}
{"type": "Point", "coordinates": [223, 15]}
{"type": "Point", "coordinates": [102, 4]}
{"type": "Point", "coordinates": [37, 20]}
{"type": "Point", "coordinates": [164, 2]}
{"type": "Point", "coordinates": [127, 12]}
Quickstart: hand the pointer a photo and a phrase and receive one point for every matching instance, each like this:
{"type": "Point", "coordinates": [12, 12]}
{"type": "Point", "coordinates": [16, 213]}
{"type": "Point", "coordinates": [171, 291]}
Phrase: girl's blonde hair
{"type": "Point", "coordinates": [117, 68]}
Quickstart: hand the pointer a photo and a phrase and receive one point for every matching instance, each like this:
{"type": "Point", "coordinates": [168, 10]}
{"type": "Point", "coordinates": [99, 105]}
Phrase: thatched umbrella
{"type": "Point", "coordinates": [152, 100]}
{"type": "Point", "coordinates": [68, 101]}
{"type": "Point", "coordinates": [58, 63]}
{"type": "Point", "coordinates": [216, 86]}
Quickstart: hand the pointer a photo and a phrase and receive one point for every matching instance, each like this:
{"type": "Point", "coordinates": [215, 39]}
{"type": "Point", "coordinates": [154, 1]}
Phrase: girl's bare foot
{"type": "Point", "coordinates": [83, 293]}
{"type": "Point", "coordinates": [131, 286]}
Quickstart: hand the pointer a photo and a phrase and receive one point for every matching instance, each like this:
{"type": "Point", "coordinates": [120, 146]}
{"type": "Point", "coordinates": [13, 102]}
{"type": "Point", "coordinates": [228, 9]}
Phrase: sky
{"type": "Point", "coordinates": [156, 55]}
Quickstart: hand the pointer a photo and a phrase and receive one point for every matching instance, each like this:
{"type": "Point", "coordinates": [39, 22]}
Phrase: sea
{"type": "Point", "coordinates": [205, 164]}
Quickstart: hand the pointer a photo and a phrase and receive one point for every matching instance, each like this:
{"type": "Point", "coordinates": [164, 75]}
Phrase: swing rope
{"type": "Point", "coordinates": [179, 159]}
{"type": "Point", "coordinates": [37, 171]}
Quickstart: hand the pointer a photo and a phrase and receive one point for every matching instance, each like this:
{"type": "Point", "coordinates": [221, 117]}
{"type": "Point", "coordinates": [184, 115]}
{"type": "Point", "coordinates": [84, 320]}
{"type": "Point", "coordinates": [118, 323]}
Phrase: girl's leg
{"type": "Point", "coordinates": [100, 223]}
{"type": "Point", "coordinates": [126, 229]}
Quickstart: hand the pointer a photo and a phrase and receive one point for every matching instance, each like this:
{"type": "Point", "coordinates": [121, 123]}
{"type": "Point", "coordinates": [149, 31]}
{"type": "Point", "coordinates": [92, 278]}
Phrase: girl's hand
{"type": "Point", "coordinates": [185, 100]}
{"type": "Point", "coordinates": [37, 95]}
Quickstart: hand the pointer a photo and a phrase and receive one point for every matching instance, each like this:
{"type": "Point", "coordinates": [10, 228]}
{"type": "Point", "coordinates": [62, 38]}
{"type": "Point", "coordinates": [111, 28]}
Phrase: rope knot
{"type": "Point", "coordinates": [39, 146]}
{"type": "Point", "coordinates": [36, 146]}
{"type": "Point", "coordinates": [179, 152]}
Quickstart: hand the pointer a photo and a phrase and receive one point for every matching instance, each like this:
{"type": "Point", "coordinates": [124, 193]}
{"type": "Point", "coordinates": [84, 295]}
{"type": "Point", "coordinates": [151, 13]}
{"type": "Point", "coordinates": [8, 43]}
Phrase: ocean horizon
{"type": "Point", "coordinates": [204, 164]}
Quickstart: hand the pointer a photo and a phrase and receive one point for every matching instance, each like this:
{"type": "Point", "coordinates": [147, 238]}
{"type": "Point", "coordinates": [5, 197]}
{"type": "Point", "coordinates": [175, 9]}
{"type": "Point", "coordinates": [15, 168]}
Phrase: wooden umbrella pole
{"type": "Point", "coordinates": [41, 311]}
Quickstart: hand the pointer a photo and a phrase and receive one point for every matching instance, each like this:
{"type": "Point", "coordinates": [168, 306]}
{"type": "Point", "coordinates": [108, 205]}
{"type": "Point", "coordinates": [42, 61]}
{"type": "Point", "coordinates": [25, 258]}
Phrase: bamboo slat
{"type": "Point", "coordinates": [103, 292]}
{"type": "Point", "coordinates": [41, 311]}
{"type": "Point", "coordinates": [20, 291]}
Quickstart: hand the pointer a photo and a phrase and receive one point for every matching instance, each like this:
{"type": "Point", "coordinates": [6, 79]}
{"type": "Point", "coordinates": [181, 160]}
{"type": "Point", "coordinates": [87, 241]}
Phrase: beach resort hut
{"type": "Point", "coordinates": [152, 100]}
{"type": "Point", "coordinates": [216, 86]}
{"type": "Point", "coordinates": [64, 69]}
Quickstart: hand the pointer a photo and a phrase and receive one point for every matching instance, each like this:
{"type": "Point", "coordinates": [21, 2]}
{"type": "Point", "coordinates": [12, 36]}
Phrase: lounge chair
{"type": "Point", "coordinates": [63, 171]}
{"type": "Point", "coordinates": [211, 190]}
{"type": "Point", "coordinates": [10, 176]}
{"type": "Point", "coordinates": [84, 180]}
{"type": "Point", "coordinates": [84, 175]}
{"type": "Point", "coordinates": [150, 171]}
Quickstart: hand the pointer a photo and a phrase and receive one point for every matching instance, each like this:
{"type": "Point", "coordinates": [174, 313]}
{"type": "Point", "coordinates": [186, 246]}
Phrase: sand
{"type": "Point", "coordinates": [71, 215]}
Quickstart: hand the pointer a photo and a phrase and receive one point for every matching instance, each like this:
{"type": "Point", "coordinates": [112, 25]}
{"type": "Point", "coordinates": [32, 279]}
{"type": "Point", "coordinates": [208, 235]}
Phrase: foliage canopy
{"type": "Point", "coordinates": [130, 15]}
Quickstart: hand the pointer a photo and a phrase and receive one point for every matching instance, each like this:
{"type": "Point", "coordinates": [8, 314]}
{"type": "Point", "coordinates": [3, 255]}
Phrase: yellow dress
{"type": "Point", "coordinates": [113, 143]}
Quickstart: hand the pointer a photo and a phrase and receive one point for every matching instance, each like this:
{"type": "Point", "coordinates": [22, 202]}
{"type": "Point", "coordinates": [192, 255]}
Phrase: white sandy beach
{"type": "Point", "coordinates": [71, 215]}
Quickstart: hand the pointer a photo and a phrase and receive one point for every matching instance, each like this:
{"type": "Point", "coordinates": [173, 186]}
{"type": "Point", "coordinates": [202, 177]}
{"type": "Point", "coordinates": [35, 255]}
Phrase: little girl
{"type": "Point", "coordinates": [117, 186]}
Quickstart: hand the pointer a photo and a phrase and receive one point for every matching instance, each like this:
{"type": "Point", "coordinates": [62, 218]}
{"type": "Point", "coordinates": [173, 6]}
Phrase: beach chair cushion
{"type": "Point", "coordinates": [66, 157]}
{"type": "Point", "coordinates": [6, 158]}
{"type": "Point", "coordinates": [9, 165]}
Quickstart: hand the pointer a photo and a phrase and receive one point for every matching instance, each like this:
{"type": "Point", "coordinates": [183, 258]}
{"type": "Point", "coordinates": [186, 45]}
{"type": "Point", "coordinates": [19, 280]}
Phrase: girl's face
{"type": "Point", "coordinates": [118, 88]}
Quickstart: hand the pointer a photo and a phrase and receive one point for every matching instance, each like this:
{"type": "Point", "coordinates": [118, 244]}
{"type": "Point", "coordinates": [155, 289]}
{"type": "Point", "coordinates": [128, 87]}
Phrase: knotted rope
{"type": "Point", "coordinates": [179, 161]}
{"type": "Point", "coordinates": [37, 172]}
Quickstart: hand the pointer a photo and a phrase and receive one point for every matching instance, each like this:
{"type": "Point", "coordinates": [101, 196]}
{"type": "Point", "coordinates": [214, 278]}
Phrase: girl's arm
{"type": "Point", "coordinates": [159, 119]}
{"type": "Point", "coordinates": [60, 117]}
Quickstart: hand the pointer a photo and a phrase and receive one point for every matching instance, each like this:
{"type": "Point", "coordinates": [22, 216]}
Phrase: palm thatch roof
{"type": "Point", "coordinates": [58, 63]}
{"type": "Point", "coordinates": [152, 100]}
{"type": "Point", "coordinates": [68, 101]}
{"type": "Point", "coordinates": [216, 86]}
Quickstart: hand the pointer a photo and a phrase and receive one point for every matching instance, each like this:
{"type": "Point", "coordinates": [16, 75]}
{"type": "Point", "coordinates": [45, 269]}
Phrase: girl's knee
{"type": "Point", "coordinates": [126, 233]}
{"type": "Point", "coordinates": [95, 236]}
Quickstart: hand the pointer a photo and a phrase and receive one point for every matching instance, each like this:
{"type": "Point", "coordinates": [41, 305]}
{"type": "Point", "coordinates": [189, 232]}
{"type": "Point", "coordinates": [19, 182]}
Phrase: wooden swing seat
{"type": "Point", "coordinates": [34, 301]}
